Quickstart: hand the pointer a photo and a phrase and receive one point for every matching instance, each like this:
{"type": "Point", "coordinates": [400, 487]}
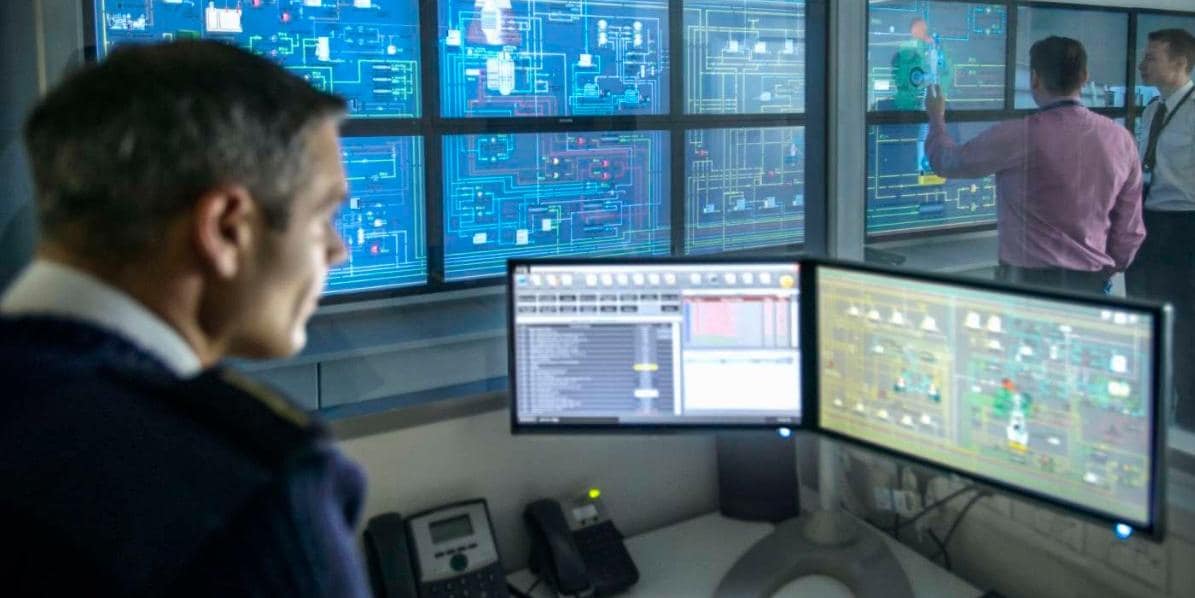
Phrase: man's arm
{"type": "Point", "coordinates": [999, 148]}
{"type": "Point", "coordinates": [1126, 229]}
{"type": "Point", "coordinates": [295, 539]}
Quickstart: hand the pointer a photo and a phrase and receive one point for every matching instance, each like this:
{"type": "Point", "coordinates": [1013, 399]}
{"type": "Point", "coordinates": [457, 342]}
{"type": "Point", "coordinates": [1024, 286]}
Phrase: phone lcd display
{"type": "Point", "coordinates": [451, 529]}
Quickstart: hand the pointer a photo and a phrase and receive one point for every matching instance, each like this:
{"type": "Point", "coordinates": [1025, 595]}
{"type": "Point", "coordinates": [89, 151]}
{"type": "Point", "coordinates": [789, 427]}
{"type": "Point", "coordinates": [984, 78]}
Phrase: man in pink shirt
{"type": "Point", "coordinates": [1068, 180]}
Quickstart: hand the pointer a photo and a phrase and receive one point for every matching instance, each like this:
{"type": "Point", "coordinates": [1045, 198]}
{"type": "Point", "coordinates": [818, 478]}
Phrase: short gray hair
{"type": "Point", "coordinates": [121, 147]}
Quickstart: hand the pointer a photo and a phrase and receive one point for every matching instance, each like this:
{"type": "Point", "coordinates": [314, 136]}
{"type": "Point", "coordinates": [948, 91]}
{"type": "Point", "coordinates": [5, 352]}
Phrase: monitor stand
{"type": "Point", "coordinates": [825, 542]}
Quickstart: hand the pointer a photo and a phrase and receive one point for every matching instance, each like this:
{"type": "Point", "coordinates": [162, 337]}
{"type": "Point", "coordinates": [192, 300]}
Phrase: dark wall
{"type": "Point", "coordinates": [18, 90]}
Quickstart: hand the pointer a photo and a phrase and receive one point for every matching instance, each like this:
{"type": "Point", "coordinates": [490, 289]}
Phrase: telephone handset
{"type": "Point", "coordinates": [577, 549]}
{"type": "Point", "coordinates": [447, 551]}
{"type": "Point", "coordinates": [391, 573]}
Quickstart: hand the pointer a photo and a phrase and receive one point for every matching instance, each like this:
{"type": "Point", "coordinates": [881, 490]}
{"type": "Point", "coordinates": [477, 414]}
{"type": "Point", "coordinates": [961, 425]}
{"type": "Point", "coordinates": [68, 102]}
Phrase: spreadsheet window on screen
{"type": "Point", "coordinates": [663, 344]}
{"type": "Point", "coordinates": [1048, 396]}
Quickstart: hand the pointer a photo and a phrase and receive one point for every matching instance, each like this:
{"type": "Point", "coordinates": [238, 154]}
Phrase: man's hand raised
{"type": "Point", "coordinates": [935, 103]}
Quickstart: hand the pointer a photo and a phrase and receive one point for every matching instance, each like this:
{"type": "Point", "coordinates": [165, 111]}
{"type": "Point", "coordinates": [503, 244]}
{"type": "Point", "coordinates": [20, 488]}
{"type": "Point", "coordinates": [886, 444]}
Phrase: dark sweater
{"type": "Point", "coordinates": [119, 478]}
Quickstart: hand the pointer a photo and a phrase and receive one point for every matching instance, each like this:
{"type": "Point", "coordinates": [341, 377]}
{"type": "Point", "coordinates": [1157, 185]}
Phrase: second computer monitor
{"type": "Point", "coordinates": [1045, 394]}
{"type": "Point", "coordinates": [626, 344]}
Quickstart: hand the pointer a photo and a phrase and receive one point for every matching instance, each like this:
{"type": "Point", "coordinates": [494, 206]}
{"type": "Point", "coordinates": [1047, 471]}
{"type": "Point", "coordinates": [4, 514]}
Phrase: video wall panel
{"type": "Point", "coordinates": [914, 44]}
{"type": "Point", "coordinates": [1104, 34]}
{"type": "Point", "coordinates": [978, 53]}
{"type": "Point", "coordinates": [366, 51]}
{"type": "Point", "coordinates": [480, 130]}
{"type": "Point", "coordinates": [511, 58]}
{"type": "Point", "coordinates": [744, 56]}
{"type": "Point", "coordinates": [600, 193]}
{"type": "Point", "coordinates": [383, 221]}
{"type": "Point", "coordinates": [904, 194]}
{"type": "Point", "coordinates": [744, 188]}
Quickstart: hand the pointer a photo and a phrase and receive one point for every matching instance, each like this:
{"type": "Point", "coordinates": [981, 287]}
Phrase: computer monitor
{"type": "Point", "coordinates": [625, 344]}
{"type": "Point", "coordinates": [1049, 395]}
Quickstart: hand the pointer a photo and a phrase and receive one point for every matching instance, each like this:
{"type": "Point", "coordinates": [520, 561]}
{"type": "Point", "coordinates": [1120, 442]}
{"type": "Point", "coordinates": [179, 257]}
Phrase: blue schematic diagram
{"type": "Point", "coordinates": [383, 221]}
{"type": "Point", "coordinates": [506, 58]}
{"type": "Point", "coordinates": [905, 195]}
{"type": "Point", "coordinates": [744, 188]}
{"type": "Point", "coordinates": [553, 194]}
{"type": "Point", "coordinates": [366, 51]}
{"type": "Point", "coordinates": [744, 56]}
{"type": "Point", "coordinates": [912, 44]}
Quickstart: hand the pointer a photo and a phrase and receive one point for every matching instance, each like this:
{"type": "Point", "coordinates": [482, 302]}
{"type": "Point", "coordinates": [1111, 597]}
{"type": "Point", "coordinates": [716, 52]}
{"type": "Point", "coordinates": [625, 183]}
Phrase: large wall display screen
{"type": "Point", "coordinates": [905, 195]}
{"type": "Point", "coordinates": [382, 222]}
{"type": "Point", "coordinates": [553, 194]}
{"type": "Point", "coordinates": [1105, 37]}
{"type": "Point", "coordinates": [504, 58]}
{"type": "Point", "coordinates": [366, 51]}
{"type": "Point", "coordinates": [744, 56]}
{"type": "Point", "coordinates": [744, 188]}
{"type": "Point", "coordinates": [912, 44]}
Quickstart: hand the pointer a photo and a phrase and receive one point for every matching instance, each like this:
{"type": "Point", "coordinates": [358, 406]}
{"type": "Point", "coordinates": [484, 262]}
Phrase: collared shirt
{"type": "Point", "coordinates": [1068, 186]}
{"type": "Point", "coordinates": [49, 288]}
{"type": "Point", "coordinates": [1173, 184]}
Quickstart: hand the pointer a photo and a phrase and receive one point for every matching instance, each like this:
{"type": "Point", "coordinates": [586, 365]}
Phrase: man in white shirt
{"type": "Point", "coordinates": [1165, 266]}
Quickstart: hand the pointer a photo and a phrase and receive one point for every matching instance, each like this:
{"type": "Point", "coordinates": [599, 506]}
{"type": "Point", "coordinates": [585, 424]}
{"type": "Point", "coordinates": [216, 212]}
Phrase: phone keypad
{"type": "Point", "coordinates": [489, 582]}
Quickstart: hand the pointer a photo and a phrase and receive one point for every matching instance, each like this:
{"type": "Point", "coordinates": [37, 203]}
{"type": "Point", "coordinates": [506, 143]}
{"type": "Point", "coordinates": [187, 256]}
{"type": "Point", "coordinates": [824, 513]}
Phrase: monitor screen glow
{"type": "Point", "coordinates": [1050, 397]}
{"type": "Point", "coordinates": [655, 344]}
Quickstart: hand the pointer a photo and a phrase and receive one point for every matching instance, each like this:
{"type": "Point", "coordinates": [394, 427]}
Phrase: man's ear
{"type": "Point", "coordinates": [1034, 80]}
{"type": "Point", "coordinates": [223, 228]}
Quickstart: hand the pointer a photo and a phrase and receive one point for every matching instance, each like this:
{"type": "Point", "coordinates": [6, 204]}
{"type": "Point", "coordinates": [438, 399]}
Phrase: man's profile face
{"type": "Point", "coordinates": [291, 265]}
{"type": "Point", "coordinates": [1158, 67]}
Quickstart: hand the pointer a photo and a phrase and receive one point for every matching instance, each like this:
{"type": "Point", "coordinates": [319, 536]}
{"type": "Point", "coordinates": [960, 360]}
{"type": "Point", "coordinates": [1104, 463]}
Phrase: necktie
{"type": "Point", "coordinates": [1155, 131]}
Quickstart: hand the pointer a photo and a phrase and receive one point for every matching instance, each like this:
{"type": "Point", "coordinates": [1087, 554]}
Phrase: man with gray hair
{"type": "Point", "coordinates": [185, 194]}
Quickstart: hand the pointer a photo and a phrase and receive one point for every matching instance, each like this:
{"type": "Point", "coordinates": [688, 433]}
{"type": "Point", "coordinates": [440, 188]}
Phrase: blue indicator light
{"type": "Point", "coordinates": [1123, 531]}
{"type": "Point", "coordinates": [785, 432]}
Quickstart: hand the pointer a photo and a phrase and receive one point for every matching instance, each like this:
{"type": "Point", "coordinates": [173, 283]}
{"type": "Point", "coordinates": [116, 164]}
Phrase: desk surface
{"type": "Point", "coordinates": [691, 557]}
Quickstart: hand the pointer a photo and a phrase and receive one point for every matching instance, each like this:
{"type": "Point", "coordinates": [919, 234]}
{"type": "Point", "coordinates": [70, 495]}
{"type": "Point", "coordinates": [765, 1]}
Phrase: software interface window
{"type": "Point", "coordinates": [1049, 396]}
{"type": "Point", "coordinates": [656, 344]}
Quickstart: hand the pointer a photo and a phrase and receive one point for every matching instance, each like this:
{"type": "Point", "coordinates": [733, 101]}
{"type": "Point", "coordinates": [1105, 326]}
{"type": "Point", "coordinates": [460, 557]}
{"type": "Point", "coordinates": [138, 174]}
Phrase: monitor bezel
{"type": "Point", "coordinates": [1153, 527]}
{"type": "Point", "coordinates": [517, 427]}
